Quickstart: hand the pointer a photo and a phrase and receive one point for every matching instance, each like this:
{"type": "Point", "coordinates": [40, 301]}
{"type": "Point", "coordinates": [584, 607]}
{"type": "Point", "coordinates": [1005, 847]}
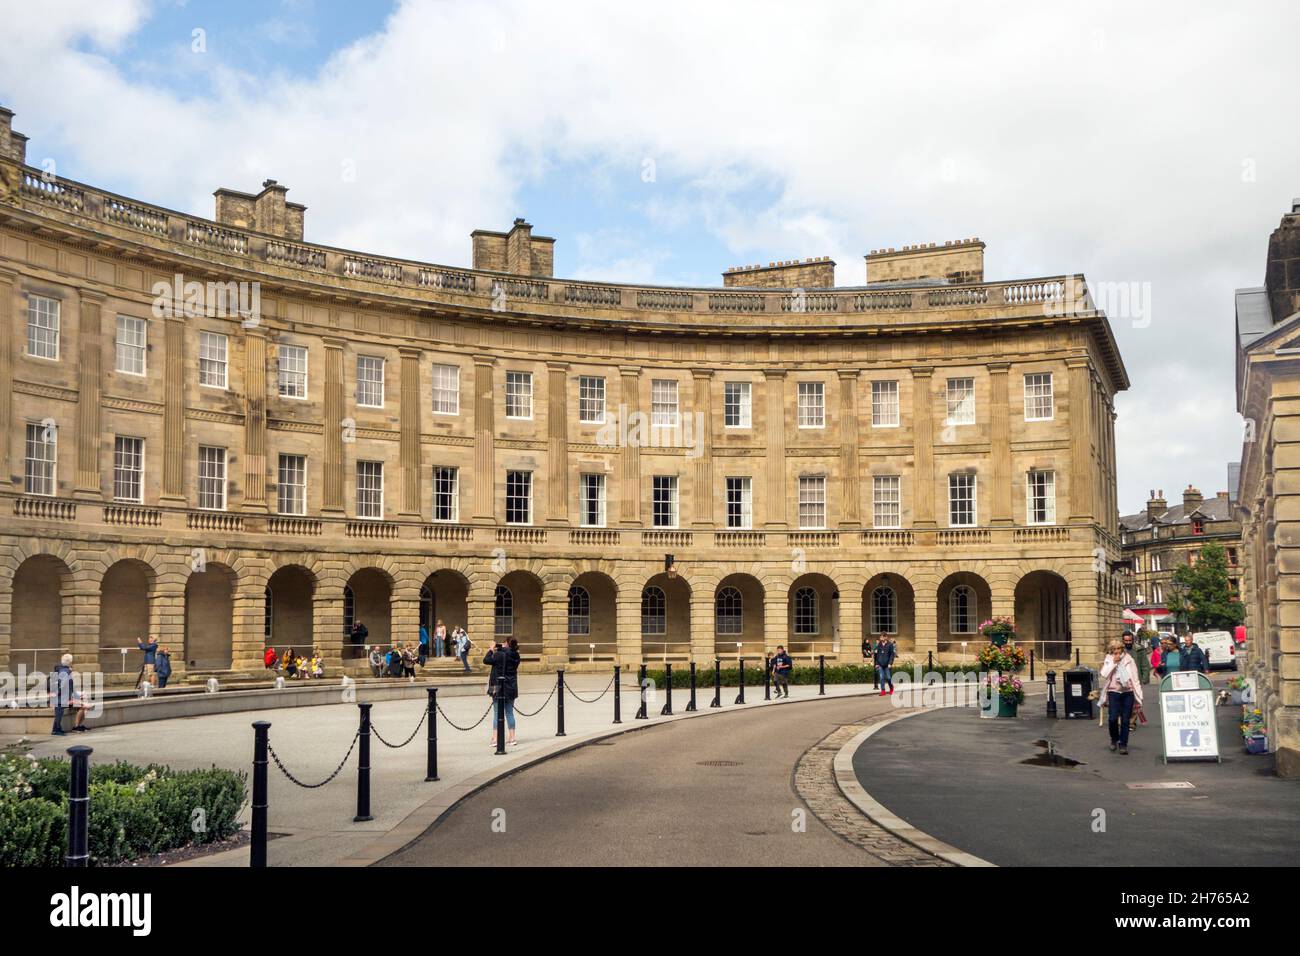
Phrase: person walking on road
{"type": "Point", "coordinates": [1140, 657]}
{"type": "Point", "coordinates": [782, 665]}
{"type": "Point", "coordinates": [1169, 657]}
{"type": "Point", "coordinates": [884, 663]}
{"type": "Point", "coordinates": [1121, 691]}
{"type": "Point", "coordinates": [463, 645]}
{"type": "Point", "coordinates": [1191, 657]}
{"type": "Point", "coordinates": [64, 694]}
{"type": "Point", "coordinates": [504, 682]}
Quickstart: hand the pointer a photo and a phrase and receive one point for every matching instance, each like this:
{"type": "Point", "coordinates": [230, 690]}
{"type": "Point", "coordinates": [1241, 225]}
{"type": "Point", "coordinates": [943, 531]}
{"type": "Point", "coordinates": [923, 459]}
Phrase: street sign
{"type": "Point", "coordinates": [1187, 717]}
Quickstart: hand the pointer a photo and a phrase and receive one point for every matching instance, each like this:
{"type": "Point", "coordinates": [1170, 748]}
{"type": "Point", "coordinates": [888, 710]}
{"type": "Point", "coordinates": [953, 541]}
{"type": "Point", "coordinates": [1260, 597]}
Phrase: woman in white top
{"type": "Point", "coordinates": [1122, 690]}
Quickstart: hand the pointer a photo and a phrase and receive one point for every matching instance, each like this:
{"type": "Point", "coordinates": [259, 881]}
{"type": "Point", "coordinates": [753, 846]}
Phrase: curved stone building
{"type": "Point", "coordinates": [231, 437]}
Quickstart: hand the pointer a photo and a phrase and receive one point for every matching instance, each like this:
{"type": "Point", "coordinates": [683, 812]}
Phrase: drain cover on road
{"type": "Point", "coordinates": [717, 763]}
{"type": "Point", "coordinates": [1162, 785]}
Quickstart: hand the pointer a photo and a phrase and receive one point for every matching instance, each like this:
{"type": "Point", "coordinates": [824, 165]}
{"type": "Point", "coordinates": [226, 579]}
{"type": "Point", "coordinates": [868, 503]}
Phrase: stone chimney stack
{"type": "Point", "coordinates": [1282, 273]}
{"type": "Point", "coordinates": [1192, 499]}
{"type": "Point", "coordinates": [267, 212]}
{"type": "Point", "coordinates": [517, 252]}
{"type": "Point", "coordinates": [816, 273]}
{"type": "Point", "coordinates": [956, 261]}
{"type": "Point", "coordinates": [1156, 505]}
{"type": "Point", "coordinates": [12, 145]}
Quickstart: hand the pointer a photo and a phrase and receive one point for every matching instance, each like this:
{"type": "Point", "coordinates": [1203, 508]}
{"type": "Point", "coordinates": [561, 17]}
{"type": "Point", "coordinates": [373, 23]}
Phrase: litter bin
{"type": "Point", "coordinates": [1077, 687]}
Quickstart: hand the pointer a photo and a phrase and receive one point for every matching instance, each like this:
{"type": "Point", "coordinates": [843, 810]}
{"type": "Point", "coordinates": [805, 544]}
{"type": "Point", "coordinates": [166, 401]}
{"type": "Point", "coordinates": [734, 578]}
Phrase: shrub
{"type": "Point", "coordinates": [802, 674]}
{"type": "Point", "coordinates": [32, 832]}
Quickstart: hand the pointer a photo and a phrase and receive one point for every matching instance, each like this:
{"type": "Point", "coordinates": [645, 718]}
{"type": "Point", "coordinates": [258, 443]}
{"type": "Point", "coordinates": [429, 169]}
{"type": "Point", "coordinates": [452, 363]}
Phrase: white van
{"type": "Point", "coordinates": [1219, 647]}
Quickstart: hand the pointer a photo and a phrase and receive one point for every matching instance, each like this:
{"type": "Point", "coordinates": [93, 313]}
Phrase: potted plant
{"type": "Point", "coordinates": [1253, 731]}
{"type": "Point", "coordinates": [1240, 687]}
{"type": "Point", "coordinates": [1007, 691]}
{"type": "Point", "coordinates": [999, 630]}
{"type": "Point", "coordinates": [1005, 658]}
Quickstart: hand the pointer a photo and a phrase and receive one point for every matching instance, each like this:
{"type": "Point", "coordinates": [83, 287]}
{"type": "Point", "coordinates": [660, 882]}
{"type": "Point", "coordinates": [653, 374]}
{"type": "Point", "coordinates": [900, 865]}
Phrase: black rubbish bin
{"type": "Point", "coordinates": [1076, 686]}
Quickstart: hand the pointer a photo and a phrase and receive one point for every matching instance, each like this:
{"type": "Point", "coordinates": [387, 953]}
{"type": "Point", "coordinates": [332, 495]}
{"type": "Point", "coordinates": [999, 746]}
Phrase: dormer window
{"type": "Point", "coordinates": [1198, 526]}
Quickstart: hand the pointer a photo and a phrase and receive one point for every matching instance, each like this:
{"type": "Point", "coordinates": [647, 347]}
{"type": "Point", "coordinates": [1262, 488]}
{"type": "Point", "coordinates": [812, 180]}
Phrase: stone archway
{"type": "Point", "coordinates": [812, 616]}
{"type": "Point", "coordinates": [444, 596]}
{"type": "Point", "coordinates": [40, 589]}
{"type": "Point", "coordinates": [965, 601]}
{"type": "Point", "coordinates": [209, 618]}
{"type": "Point", "coordinates": [368, 600]}
{"type": "Point", "coordinates": [889, 607]}
{"type": "Point", "coordinates": [517, 612]}
{"type": "Point", "coordinates": [738, 617]}
{"type": "Point", "coordinates": [124, 597]}
{"type": "Point", "coordinates": [290, 600]}
{"type": "Point", "coordinates": [592, 618]}
{"type": "Point", "coordinates": [666, 618]}
{"type": "Point", "coordinates": [1043, 614]}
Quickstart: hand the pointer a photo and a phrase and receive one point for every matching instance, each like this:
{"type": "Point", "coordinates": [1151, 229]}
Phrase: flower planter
{"type": "Point", "coordinates": [1257, 744]}
{"type": "Point", "coordinates": [1006, 708]}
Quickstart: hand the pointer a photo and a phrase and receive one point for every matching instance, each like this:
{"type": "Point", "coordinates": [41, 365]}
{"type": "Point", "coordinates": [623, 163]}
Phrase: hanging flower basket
{"type": "Point", "coordinates": [1006, 658]}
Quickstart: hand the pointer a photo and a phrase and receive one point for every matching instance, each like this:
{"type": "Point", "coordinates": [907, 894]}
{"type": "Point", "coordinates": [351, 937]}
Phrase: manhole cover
{"type": "Point", "coordinates": [718, 763]}
{"type": "Point", "coordinates": [1163, 785]}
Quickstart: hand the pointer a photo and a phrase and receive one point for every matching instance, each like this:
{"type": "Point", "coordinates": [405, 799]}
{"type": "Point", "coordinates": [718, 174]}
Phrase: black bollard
{"type": "Point", "coordinates": [717, 682]}
{"type": "Point", "coordinates": [79, 808]}
{"type": "Point", "coordinates": [257, 846]}
{"type": "Point", "coordinates": [929, 660]}
{"type": "Point", "coordinates": [821, 675]}
{"type": "Point", "coordinates": [1051, 693]}
{"type": "Point", "coordinates": [431, 772]}
{"type": "Point", "coordinates": [740, 698]}
{"type": "Point", "coordinates": [691, 706]}
{"type": "Point", "coordinates": [501, 721]}
{"type": "Point", "coordinates": [1031, 663]}
{"type": "Point", "coordinates": [1076, 657]}
{"type": "Point", "coordinates": [363, 768]}
{"type": "Point", "coordinates": [559, 710]}
{"type": "Point", "coordinates": [668, 691]}
{"type": "Point", "coordinates": [618, 696]}
{"type": "Point", "coordinates": [641, 682]}
{"type": "Point", "coordinates": [767, 678]}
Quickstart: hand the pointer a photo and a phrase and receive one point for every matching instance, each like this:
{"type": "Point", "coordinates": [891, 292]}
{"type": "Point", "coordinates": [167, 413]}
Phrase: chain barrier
{"type": "Point", "coordinates": [457, 726]}
{"type": "Point", "coordinates": [523, 713]}
{"type": "Point", "coordinates": [375, 731]}
{"type": "Point", "coordinates": [314, 786]}
{"type": "Point", "coordinates": [593, 700]}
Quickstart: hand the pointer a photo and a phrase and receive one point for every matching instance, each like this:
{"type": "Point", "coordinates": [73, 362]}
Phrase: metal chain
{"type": "Point", "coordinates": [375, 731]}
{"type": "Point", "coordinates": [523, 713]}
{"type": "Point", "coordinates": [594, 699]}
{"type": "Point", "coordinates": [471, 726]}
{"type": "Point", "coordinates": [314, 786]}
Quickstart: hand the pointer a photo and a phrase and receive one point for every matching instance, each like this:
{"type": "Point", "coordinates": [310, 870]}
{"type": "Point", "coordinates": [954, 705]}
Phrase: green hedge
{"type": "Point", "coordinates": [800, 674]}
{"type": "Point", "coordinates": [134, 811]}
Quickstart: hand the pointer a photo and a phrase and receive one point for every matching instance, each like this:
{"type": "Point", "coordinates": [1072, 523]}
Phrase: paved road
{"type": "Point", "coordinates": [655, 798]}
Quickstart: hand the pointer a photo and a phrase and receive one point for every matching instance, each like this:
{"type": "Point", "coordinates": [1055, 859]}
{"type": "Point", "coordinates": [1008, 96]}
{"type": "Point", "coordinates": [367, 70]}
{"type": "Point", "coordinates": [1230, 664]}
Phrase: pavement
{"type": "Point", "coordinates": [988, 787]}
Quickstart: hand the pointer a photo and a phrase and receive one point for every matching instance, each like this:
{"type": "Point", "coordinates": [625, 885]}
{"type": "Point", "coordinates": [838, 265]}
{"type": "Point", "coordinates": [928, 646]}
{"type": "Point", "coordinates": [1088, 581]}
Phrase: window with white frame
{"type": "Point", "coordinates": [446, 390]}
{"type": "Point", "coordinates": [128, 469]}
{"type": "Point", "coordinates": [213, 362]}
{"type": "Point", "coordinates": [43, 327]}
{"type": "Point", "coordinates": [293, 371]}
{"type": "Point", "coordinates": [737, 405]}
{"type": "Point", "coordinates": [664, 501]}
{"type": "Point", "coordinates": [884, 611]}
{"type": "Point", "coordinates": [740, 502]}
{"type": "Point", "coordinates": [728, 612]}
{"type": "Point", "coordinates": [519, 394]}
{"type": "Point", "coordinates": [886, 501]}
{"type": "Point", "coordinates": [503, 612]}
{"type": "Point", "coordinates": [1038, 397]}
{"type": "Point", "coordinates": [519, 497]}
{"type": "Point", "coordinates": [812, 501]}
{"type": "Point", "coordinates": [370, 381]}
{"type": "Point", "coordinates": [884, 404]}
{"type": "Point", "coordinates": [579, 611]}
{"type": "Point", "coordinates": [961, 500]}
{"type": "Point", "coordinates": [812, 404]}
{"type": "Point", "coordinates": [212, 478]}
{"type": "Point", "coordinates": [446, 493]}
{"type": "Point", "coordinates": [370, 489]}
{"type": "Point", "coordinates": [41, 458]}
{"type": "Point", "coordinates": [591, 399]}
{"type": "Point", "coordinates": [1040, 497]}
{"type": "Point", "coordinates": [961, 610]}
{"type": "Point", "coordinates": [663, 402]}
{"type": "Point", "coordinates": [131, 345]}
{"type": "Point", "coordinates": [291, 486]}
{"type": "Point", "coordinates": [654, 611]}
{"type": "Point", "coordinates": [592, 489]}
{"type": "Point", "coordinates": [1157, 562]}
{"type": "Point", "coordinates": [805, 611]}
{"type": "Point", "coordinates": [961, 401]}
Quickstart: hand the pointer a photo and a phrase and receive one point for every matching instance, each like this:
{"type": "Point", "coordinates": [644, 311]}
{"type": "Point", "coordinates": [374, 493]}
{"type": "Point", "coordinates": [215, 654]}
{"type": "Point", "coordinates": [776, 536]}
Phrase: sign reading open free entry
{"type": "Point", "coordinates": [1187, 715]}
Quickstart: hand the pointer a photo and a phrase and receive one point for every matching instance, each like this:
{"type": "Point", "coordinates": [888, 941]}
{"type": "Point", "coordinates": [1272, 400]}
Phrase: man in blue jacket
{"type": "Point", "coordinates": [1191, 657]}
{"type": "Point", "coordinates": [781, 667]}
{"type": "Point", "coordinates": [148, 670]}
{"type": "Point", "coordinates": [884, 662]}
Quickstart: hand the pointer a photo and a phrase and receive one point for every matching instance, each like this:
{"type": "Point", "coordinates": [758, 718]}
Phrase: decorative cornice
{"type": "Point", "coordinates": [46, 391]}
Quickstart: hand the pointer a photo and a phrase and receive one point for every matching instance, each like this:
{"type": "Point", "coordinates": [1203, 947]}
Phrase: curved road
{"type": "Point", "coordinates": [660, 796]}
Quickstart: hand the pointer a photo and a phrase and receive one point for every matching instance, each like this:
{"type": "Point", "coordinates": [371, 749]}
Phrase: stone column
{"type": "Point", "coordinates": [1000, 443]}
{"type": "Point", "coordinates": [627, 607]}
{"type": "Point", "coordinates": [850, 467]}
{"type": "Point", "coordinates": [89, 385]}
{"type": "Point", "coordinates": [1282, 527]}
{"type": "Point", "coordinates": [410, 414]}
{"type": "Point", "coordinates": [850, 629]}
{"type": "Point", "coordinates": [404, 613]}
{"type": "Point", "coordinates": [1081, 472]}
{"type": "Point", "coordinates": [255, 385]}
{"type": "Point", "coordinates": [926, 609]}
{"type": "Point", "coordinates": [702, 626]}
{"type": "Point", "coordinates": [173, 492]}
{"type": "Point", "coordinates": [629, 458]}
{"type": "Point", "coordinates": [923, 477]}
{"type": "Point", "coordinates": [333, 483]}
{"type": "Point", "coordinates": [480, 613]}
{"type": "Point", "coordinates": [327, 624]}
{"type": "Point", "coordinates": [248, 622]}
{"type": "Point", "coordinates": [557, 451]}
{"type": "Point", "coordinates": [7, 280]}
{"type": "Point", "coordinates": [702, 505]}
{"type": "Point", "coordinates": [775, 493]}
{"type": "Point", "coordinates": [484, 440]}
{"type": "Point", "coordinates": [555, 626]}
{"type": "Point", "coordinates": [776, 618]}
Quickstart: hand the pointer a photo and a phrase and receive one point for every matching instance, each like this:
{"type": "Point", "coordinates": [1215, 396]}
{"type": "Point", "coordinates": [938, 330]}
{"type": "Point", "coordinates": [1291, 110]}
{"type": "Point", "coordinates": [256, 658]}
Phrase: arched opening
{"type": "Point", "coordinates": [209, 618]}
{"type": "Point", "coordinates": [813, 616]}
{"type": "Point", "coordinates": [368, 600]}
{"type": "Point", "coordinates": [964, 603]}
{"type": "Point", "coordinates": [36, 632]}
{"type": "Point", "coordinates": [517, 612]}
{"type": "Point", "coordinates": [123, 614]}
{"type": "Point", "coordinates": [666, 618]}
{"type": "Point", "coordinates": [1043, 614]}
{"type": "Point", "coordinates": [889, 607]}
{"type": "Point", "coordinates": [287, 621]}
{"type": "Point", "coordinates": [592, 618]}
{"type": "Point", "coordinates": [444, 596]}
{"type": "Point", "coordinates": [738, 617]}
